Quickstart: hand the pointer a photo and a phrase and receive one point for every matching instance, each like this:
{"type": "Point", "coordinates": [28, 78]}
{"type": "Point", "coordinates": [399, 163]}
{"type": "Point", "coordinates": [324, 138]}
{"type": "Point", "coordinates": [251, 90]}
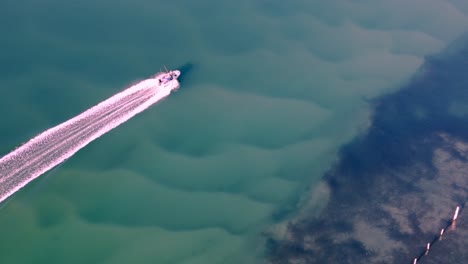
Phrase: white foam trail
{"type": "Point", "coordinates": [55, 145]}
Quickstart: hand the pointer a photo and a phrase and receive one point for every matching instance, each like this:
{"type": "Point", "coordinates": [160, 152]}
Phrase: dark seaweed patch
{"type": "Point", "coordinates": [395, 187]}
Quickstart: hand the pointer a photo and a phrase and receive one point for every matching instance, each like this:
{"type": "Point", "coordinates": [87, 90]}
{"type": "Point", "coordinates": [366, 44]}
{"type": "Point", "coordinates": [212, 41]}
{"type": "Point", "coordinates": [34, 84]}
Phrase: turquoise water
{"type": "Point", "coordinates": [274, 90]}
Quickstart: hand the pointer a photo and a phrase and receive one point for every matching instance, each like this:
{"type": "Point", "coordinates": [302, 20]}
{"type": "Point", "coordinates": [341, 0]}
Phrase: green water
{"type": "Point", "coordinates": [275, 88]}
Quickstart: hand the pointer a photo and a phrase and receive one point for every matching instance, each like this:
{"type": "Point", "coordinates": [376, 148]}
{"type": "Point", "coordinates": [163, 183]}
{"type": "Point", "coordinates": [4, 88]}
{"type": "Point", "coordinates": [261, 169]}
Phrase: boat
{"type": "Point", "coordinates": [169, 78]}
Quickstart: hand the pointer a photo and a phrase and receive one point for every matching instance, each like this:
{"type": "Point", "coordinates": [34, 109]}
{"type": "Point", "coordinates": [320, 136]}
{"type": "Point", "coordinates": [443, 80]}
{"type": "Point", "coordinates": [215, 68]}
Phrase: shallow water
{"type": "Point", "coordinates": [274, 90]}
{"type": "Point", "coordinates": [410, 170]}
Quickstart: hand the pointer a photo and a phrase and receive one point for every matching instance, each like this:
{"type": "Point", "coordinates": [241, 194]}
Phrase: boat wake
{"type": "Point", "coordinates": [55, 145]}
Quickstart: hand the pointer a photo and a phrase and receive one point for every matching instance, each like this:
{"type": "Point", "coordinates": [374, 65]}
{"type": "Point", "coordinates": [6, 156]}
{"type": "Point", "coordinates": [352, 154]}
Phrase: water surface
{"type": "Point", "coordinates": [275, 89]}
